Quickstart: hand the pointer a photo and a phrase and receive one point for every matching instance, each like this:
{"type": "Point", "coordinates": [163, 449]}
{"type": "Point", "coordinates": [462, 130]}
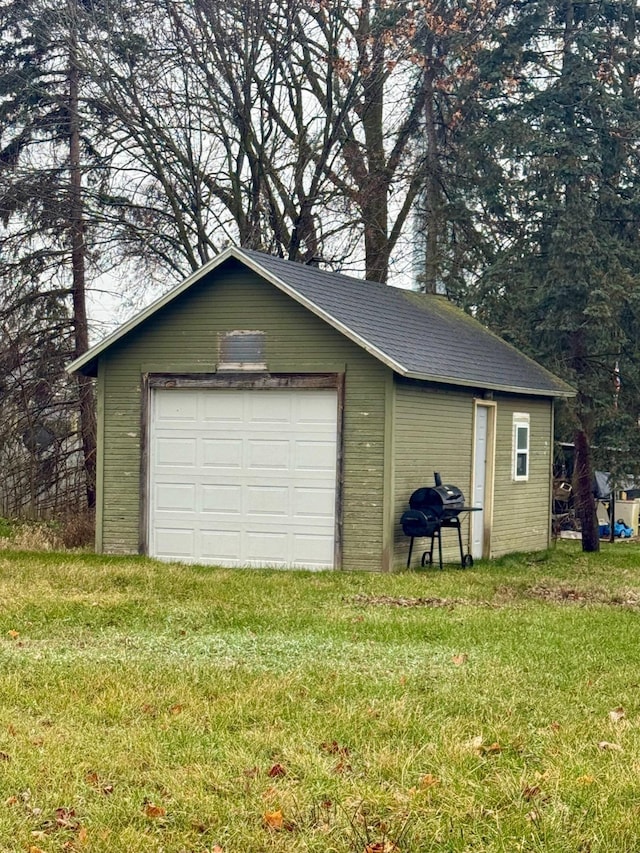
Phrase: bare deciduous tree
{"type": "Point", "coordinates": [282, 126]}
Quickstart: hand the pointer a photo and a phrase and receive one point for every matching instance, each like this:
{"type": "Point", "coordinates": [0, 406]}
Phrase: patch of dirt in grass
{"type": "Point", "coordinates": [508, 596]}
{"type": "Point", "coordinates": [571, 595]}
{"type": "Point", "coordinates": [401, 601]}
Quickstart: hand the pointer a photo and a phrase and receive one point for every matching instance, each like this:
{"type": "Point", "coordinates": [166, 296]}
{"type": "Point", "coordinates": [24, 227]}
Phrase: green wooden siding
{"type": "Point", "coordinates": [522, 510]}
{"type": "Point", "coordinates": [433, 432]}
{"type": "Point", "coordinates": [183, 338]}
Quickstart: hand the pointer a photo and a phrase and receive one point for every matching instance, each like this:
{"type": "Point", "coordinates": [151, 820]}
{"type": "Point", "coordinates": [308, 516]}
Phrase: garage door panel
{"type": "Point", "coordinates": [313, 503]}
{"type": "Point", "coordinates": [223, 408]}
{"type": "Point", "coordinates": [315, 456]}
{"type": "Point", "coordinates": [266, 547]}
{"type": "Point", "coordinates": [218, 545]}
{"type": "Point", "coordinates": [173, 452]}
{"type": "Point", "coordinates": [312, 550]}
{"type": "Point", "coordinates": [181, 408]}
{"type": "Point", "coordinates": [267, 454]}
{"type": "Point", "coordinates": [222, 499]}
{"type": "Point", "coordinates": [222, 452]}
{"type": "Point", "coordinates": [174, 542]}
{"type": "Point", "coordinates": [252, 481]}
{"type": "Point", "coordinates": [314, 411]}
{"type": "Point", "coordinates": [267, 500]}
{"type": "Point", "coordinates": [175, 497]}
{"type": "Point", "coordinates": [271, 408]}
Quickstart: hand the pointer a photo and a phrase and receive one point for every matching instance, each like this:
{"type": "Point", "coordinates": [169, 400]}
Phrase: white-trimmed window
{"type": "Point", "coordinates": [520, 446]}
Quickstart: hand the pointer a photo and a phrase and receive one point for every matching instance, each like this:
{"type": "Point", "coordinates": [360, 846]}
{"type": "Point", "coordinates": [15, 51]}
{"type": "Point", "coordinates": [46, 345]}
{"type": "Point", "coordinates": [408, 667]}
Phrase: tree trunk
{"type": "Point", "coordinates": [86, 401]}
{"type": "Point", "coordinates": [432, 212]}
{"type": "Point", "coordinates": [583, 483]}
{"type": "Point", "coordinates": [374, 197]}
{"type": "Point", "coordinates": [583, 435]}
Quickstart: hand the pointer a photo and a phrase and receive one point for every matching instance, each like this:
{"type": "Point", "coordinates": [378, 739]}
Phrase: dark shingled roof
{"type": "Point", "coordinates": [419, 335]}
{"type": "Point", "coordinates": [427, 336]}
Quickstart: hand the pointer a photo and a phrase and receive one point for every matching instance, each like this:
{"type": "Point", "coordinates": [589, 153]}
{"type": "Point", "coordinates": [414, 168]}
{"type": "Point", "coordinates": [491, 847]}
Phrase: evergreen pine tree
{"type": "Point", "coordinates": [566, 283]}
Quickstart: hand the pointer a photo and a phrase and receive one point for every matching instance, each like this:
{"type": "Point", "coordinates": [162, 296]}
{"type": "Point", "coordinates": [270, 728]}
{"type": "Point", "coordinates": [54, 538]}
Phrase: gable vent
{"type": "Point", "coordinates": [241, 350]}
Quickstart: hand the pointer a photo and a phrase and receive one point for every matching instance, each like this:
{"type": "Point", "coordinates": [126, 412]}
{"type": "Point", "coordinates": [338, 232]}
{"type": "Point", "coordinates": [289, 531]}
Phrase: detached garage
{"type": "Point", "coordinates": [267, 413]}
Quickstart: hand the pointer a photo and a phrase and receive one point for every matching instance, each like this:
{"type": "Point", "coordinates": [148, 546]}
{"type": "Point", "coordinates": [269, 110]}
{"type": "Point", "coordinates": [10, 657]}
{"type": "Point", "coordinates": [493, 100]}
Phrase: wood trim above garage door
{"type": "Point", "coordinates": [243, 381]}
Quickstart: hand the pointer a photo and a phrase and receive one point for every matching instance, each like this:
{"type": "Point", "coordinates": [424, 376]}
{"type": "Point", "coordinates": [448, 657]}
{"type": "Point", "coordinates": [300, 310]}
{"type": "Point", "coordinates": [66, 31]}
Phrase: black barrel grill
{"type": "Point", "coordinates": [430, 509]}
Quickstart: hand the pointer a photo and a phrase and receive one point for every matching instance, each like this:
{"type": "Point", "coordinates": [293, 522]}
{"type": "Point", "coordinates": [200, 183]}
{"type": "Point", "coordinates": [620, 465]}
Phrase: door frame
{"type": "Point", "coordinates": [241, 381]}
{"type": "Point", "coordinates": [489, 479]}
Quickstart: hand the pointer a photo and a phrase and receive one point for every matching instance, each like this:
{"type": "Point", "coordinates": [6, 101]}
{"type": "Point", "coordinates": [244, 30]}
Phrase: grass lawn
{"type": "Point", "coordinates": [149, 707]}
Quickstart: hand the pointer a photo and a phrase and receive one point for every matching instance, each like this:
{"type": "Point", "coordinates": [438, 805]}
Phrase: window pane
{"type": "Point", "coordinates": [522, 437]}
{"type": "Point", "coordinates": [521, 465]}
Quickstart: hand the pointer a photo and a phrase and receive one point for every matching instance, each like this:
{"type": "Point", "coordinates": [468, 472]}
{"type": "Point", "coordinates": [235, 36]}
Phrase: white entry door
{"type": "Point", "coordinates": [243, 477]}
{"type": "Point", "coordinates": [481, 456]}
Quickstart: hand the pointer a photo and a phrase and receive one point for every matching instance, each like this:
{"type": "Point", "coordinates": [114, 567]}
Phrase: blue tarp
{"type": "Point", "coordinates": [602, 485]}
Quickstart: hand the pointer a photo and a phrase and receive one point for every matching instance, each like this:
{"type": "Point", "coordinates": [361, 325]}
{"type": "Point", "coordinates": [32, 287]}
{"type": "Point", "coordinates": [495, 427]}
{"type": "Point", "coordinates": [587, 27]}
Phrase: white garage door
{"type": "Point", "coordinates": [243, 478]}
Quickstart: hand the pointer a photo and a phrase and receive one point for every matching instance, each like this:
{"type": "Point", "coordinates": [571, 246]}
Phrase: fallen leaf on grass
{"type": "Point", "coordinates": [151, 810]}
{"type": "Point", "coordinates": [13, 634]}
{"type": "Point", "coordinates": [342, 767]}
{"type": "Point", "coordinates": [459, 660]}
{"type": "Point", "coordinates": [334, 748]}
{"type": "Point", "coordinates": [93, 779]}
{"type": "Point", "coordinates": [606, 746]}
{"type": "Point", "coordinates": [273, 820]}
{"type": "Point", "coordinates": [63, 813]}
{"type": "Point", "coordinates": [429, 781]}
{"type": "Point", "coordinates": [531, 791]}
{"type": "Point", "coordinates": [381, 847]}
{"type": "Point", "coordinates": [33, 849]}
{"type": "Point", "coordinates": [276, 770]}
{"type": "Point", "coordinates": [81, 839]}
{"type": "Point", "coordinates": [65, 819]}
{"type": "Point", "coordinates": [617, 715]}
{"type": "Point", "coordinates": [478, 745]}
{"type": "Point", "coordinates": [176, 709]}
{"type": "Point", "coordinates": [554, 726]}
{"type": "Point", "coordinates": [11, 801]}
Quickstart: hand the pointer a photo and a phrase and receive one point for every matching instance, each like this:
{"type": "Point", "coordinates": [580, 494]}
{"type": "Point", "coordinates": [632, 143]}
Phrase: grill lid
{"type": "Point", "coordinates": [440, 499]}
